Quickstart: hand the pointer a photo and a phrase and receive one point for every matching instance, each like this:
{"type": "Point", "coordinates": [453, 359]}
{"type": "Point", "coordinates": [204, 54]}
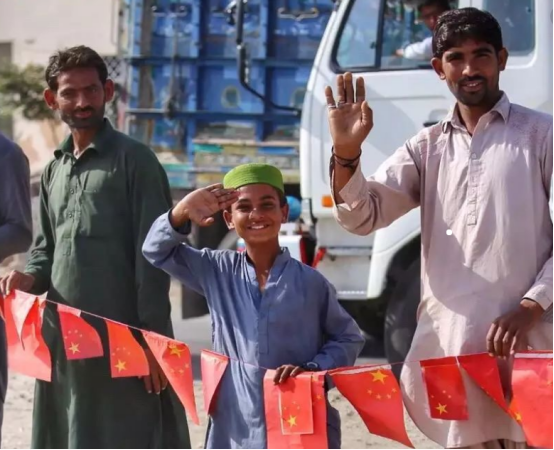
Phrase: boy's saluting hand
{"type": "Point", "coordinates": [200, 205]}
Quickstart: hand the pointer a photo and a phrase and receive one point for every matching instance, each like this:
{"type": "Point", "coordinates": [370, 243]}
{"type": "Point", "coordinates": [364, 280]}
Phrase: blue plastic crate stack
{"type": "Point", "coordinates": [183, 96]}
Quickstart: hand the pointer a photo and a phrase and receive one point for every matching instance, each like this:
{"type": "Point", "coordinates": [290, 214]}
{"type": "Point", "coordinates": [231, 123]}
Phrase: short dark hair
{"type": "Point", "coordinates": [79, 57]}
{"type": "Point", "coordinates": [443, 4]}
{"type": "Point", "coordinates": [458, 25]}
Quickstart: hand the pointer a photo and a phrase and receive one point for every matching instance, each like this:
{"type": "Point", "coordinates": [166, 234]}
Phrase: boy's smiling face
{"type": "Point", "coordinates": [258, 213]}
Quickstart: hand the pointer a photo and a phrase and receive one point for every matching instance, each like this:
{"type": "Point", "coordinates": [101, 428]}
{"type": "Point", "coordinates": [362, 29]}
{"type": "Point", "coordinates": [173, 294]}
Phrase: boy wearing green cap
{"type": "Point", "coordinates": [267, 309]}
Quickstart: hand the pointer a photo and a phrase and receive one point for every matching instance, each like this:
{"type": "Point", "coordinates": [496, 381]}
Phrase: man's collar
{"type": "Point", "coordinates": [502, 108]}
{"type": "Point", "coordinates": [99, 142]}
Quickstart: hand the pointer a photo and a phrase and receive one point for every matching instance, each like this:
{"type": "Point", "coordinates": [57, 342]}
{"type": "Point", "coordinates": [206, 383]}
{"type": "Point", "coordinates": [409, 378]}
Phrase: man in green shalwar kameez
{"type": "Point", "coordinates": [98, 198]}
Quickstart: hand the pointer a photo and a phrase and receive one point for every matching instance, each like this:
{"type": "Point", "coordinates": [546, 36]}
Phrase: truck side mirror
{"type": "Point", "coordinates": [242, 60]}
{"type": "Point", "coordinates": [242, 64]}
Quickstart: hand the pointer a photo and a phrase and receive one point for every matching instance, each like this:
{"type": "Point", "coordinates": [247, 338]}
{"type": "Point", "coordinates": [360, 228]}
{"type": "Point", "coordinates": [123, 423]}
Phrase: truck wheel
{"type": "Point", "coordinates": [400, 319]}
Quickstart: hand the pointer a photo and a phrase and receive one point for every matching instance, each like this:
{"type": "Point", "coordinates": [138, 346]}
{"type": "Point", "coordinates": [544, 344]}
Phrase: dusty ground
{"type": "Point", "coordinates": [19, 403]}
{"type": "Point", "coordinates": [16, 430]}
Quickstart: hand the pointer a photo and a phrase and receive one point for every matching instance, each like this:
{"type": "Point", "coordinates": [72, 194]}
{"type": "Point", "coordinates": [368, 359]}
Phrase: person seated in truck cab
{"type": "Point", "coordinates": [429, 12]}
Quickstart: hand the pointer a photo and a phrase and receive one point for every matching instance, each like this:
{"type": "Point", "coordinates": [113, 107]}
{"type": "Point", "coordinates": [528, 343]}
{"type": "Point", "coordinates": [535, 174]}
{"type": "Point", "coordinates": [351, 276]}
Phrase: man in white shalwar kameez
{"type": "Point", "coordinates": [482, 179]}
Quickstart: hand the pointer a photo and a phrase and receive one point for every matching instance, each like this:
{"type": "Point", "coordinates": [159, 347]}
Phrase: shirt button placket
{"type": "Point", "coordinates": [71, 203]}
{"type": "Point", "coordinates": [473, 174]}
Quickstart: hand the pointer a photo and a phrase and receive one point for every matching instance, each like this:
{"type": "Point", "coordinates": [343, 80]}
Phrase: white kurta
{"type": "Point", "coordinates": [490, 191]}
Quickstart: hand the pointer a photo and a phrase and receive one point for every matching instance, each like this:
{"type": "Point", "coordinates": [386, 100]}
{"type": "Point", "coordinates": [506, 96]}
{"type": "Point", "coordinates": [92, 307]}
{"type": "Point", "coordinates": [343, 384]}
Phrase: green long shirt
{"type": "Point", "coordinates": [95, 212]}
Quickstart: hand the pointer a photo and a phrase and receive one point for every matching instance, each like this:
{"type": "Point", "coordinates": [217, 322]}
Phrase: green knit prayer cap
{"type": "Point", "coordinates": [254, 173]}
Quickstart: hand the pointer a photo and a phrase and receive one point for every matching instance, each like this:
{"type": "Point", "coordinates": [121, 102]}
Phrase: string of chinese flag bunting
{"type": "Point", "coordinates": [295, 410]}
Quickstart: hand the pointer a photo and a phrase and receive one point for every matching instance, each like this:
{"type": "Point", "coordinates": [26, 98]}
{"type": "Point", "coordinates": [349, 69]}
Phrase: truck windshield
{"type": "Point", "coordinates": [385, 35]}
{"type": "Point", "coordinates": [517, 20]}
{"type": "Point", "coordinates": [396, 34]}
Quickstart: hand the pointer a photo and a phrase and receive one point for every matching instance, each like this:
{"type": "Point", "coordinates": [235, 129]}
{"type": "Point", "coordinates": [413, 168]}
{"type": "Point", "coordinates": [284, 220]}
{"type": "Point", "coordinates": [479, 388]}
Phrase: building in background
{"type": "Point", "coordinates": [30, 31]}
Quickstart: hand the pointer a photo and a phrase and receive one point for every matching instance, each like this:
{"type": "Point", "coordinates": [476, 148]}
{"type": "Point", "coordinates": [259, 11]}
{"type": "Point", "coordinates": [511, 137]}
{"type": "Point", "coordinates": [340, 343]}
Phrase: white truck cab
{"type": "Point", "coordinates": [377, 277]}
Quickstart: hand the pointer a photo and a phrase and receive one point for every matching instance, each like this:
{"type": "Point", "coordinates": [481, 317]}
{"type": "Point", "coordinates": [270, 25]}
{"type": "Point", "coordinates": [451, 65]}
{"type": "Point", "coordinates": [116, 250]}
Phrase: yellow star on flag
{"type": "Point", "coordinates": [518, 417]}
{"type": "Point", "coordinates": [74, 348]}
{"type": "Point", "coordinates": [120, 365]}
{"type": "Point", "coordinates": [291, 421]}
{"type": "Point", "coordinates": [379, 376]}
{"type": "Point", "coordinates": [174, 350]}
{"type": "Point", "coordinates": [441, 409]}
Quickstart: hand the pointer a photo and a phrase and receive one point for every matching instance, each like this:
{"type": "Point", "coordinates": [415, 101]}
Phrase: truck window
{"type": "Point", "coordinates": [379, 35]}
{"type": "Point", "coordinates": [357, 42]}
{"type": "Point", "coordinates": [402, 31]}
{"type": "Point", "coordinates": [517, 20]}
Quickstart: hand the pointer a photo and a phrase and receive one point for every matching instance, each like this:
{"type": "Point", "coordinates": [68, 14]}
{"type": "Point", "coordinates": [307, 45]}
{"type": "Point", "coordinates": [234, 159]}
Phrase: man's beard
{"type": "Point", "coordinates": [94, 120]}
{"type": "Point", "coordinates": [482, 97]}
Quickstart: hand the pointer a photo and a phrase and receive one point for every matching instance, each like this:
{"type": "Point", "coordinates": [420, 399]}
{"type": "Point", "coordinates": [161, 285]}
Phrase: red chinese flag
{"type": "Point", "coordinates": [127, 359]}
{"type": "Point", "coordinates": [79, 338]}
{"type": "Point", "coordinates": [2, 307]}
{"type": "Point", "coordinates": [21, 306]}
{"type": "Point", "coordinates": [213, 366]}
{"type": "Point", "coordinates": [174, 359]}
{"type": "Point", "coordinates": [445, 389]}
{"type": "Point", "coordinates": [29, 354]}
{"type": "Point", "coordinates": [514, 411]}
{"type": "Point", "coordinates": [295, 405]}
{"type": "Point", "coordinates": [483, 370]}
{"type": "Point", "coordinates": [275, 436]}
{"type": "Point", "coordinates": [532, 391]}
{"type": "Point", "coordinates": [375, 394]}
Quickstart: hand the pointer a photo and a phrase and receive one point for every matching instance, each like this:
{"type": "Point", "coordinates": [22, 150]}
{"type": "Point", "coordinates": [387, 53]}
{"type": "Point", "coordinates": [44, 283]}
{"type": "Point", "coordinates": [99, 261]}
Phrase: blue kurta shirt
{"type": "Point", "coordinates": [298, 319]}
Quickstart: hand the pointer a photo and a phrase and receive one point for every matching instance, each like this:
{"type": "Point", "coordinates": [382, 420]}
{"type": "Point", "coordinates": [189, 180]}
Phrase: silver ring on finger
{"type": "Point", "coordinates": [331, 106]}
{"type": "Point", "coordinates": [341, 104]}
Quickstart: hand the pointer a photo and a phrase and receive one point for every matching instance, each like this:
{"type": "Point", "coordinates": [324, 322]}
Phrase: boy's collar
{"type": "Point", "coordinates": [282, 257]}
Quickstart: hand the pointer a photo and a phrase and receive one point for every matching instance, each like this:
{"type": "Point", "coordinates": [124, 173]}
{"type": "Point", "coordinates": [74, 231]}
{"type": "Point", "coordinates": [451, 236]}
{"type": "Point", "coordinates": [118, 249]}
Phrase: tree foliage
{"type": "Point", "coordinates": [21, 91]}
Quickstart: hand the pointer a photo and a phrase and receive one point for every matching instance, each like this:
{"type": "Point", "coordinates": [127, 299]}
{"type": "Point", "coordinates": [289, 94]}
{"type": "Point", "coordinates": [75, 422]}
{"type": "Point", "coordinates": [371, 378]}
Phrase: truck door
{"type": "Point", "coordinates": [405, 95]}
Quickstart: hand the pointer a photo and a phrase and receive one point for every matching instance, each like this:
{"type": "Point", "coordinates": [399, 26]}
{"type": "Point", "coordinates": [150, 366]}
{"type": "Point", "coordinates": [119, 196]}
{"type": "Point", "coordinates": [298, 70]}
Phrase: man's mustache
{"type": "Point", "coordinates": [87, 109]}
{"type": "Point", "coordinates": [467, 80]}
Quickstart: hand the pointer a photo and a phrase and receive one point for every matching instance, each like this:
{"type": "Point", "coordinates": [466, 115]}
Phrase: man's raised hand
{"type": "Point", "coordinates": [350, 117]}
